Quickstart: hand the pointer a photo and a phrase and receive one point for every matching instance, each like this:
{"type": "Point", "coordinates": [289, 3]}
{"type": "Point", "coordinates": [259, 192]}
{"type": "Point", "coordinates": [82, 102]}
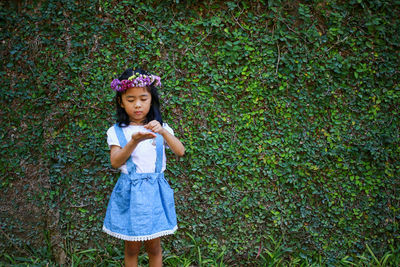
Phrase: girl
{"type": "Point", "coordinates": [141, 206]}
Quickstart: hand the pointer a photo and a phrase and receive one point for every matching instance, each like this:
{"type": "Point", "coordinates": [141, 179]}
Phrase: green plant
{"type": "Point", "coordinates": [289, 112]}
{"type": "Point", "coordinates": [275, 255]}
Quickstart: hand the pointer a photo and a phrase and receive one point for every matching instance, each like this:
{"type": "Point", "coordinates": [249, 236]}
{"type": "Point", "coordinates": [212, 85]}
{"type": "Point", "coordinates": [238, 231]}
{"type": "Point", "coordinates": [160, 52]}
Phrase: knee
{"type": "Point", "coordinates": [132, 249]}
{"type": "Point", "coordinates": [153, 247]}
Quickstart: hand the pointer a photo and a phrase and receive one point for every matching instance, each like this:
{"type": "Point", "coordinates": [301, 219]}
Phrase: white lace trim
{"type": "Point", "coordinates": [140, 238]}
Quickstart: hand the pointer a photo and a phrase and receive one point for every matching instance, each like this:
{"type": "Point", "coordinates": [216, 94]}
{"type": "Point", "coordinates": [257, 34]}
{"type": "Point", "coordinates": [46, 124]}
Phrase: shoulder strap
{"type": "Point", "coordinates": [160, 152]}
{"type": "Point", "coordinates": [122, 141]}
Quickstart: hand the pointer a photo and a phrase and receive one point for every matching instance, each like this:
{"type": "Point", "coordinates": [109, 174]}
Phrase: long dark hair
{"type": "Point", "coordinates": [154, 112]}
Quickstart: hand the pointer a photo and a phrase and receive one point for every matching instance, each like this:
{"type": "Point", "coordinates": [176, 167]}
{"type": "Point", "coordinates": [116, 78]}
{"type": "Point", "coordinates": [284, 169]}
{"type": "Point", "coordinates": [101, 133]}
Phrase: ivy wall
{"type": "Point", "coordinates": [289, 112]}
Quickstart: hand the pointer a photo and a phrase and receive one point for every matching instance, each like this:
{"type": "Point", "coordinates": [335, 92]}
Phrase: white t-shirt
{"type": "Point", "coordinates": [144, 155]}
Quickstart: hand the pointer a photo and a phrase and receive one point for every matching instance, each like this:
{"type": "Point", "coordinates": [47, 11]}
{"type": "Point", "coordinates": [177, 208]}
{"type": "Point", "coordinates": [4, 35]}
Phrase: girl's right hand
{"type": "Point", "coordinates": [141, 136]}
{"type": "Point", "coordinates": [118, 155]}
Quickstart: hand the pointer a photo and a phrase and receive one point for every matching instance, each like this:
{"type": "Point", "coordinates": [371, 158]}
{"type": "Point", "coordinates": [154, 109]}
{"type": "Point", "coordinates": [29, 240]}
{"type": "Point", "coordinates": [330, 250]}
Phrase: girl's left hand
{"type": "Point", "coordinates": [174, 144]}
{"type": "Point", "coordinates": [155, 126]}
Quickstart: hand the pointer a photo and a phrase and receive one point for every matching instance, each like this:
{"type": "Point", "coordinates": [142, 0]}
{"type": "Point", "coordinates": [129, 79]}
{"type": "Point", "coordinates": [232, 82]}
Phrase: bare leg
{"type": "Point", "coordinates": [132, 250]}
{"type": "Point", "coordinates": [153, 248]}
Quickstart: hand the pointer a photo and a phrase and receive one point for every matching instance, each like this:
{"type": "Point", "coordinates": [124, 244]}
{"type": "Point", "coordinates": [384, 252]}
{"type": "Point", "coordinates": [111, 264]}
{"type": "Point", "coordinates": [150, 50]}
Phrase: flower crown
{"type": "Point", "coordinates": [136, 80]}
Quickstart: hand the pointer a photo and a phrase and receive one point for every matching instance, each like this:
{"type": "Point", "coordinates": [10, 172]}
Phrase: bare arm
{"type": "Point", "coordinates": [118, 155]}
{"type": "Point", "coordinates": [174, 144]}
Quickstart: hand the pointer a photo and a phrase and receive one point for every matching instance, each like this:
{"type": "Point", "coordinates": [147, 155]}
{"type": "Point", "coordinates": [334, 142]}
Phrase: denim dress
{"type": "Point", "coordinates": [141, 206]}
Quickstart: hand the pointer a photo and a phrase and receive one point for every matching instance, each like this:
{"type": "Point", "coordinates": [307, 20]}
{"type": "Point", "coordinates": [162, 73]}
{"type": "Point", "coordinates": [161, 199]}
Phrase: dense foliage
{"type": "Point", "coordinates": [289, 111]}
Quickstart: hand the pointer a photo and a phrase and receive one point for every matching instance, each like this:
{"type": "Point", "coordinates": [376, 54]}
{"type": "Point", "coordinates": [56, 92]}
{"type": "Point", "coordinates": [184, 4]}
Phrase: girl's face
{"type": "Point", "coordinates": [136, 101]}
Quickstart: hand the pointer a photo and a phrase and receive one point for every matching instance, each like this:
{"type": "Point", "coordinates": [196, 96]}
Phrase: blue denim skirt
{"type": "Point", "coordinates": [141, 207]}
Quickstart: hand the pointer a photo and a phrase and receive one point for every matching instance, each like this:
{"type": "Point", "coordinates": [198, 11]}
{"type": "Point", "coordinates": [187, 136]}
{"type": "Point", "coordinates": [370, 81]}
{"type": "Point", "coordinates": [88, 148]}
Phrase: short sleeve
{"type": "Point", "coordinates": [169, 129]}
{"type": "Point", "coordinates": [112, 138]}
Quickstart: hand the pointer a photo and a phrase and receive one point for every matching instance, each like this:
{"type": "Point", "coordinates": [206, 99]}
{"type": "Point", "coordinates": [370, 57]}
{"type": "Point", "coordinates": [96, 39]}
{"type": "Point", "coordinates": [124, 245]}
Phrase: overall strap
{"type": "Point", "coordinates": [160, 152]}
{"type": "Point", "coordinates": [122, 141]}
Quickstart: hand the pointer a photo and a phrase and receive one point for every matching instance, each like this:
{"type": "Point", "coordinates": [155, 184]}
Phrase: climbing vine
{"type": "Point", "coordinates": [289, 112]}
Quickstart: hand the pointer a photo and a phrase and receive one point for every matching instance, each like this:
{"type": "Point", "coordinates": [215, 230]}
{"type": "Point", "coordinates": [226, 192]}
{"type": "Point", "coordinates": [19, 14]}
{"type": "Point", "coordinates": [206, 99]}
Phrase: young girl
{"type": "Point", "coordinates": [141, 207]}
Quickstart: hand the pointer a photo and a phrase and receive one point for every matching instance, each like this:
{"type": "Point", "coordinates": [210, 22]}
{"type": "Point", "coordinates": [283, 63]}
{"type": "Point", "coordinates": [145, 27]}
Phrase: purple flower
{"type": "Point", "coordinates": [157, 79]}
{"type": "Point", "coordinates": [126, 84]}
{"type": "Point", "coordinates": [116, 85]}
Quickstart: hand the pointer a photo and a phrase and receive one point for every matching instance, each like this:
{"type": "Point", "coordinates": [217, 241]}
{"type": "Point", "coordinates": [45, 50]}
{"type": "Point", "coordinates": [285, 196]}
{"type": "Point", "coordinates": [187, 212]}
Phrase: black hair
{"type": "Point", "coordinates": [154, 112]}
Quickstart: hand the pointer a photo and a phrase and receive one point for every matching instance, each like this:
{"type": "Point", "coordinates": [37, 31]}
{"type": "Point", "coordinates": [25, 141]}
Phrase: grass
{"type": "Point", "coordinates": [199, 254]}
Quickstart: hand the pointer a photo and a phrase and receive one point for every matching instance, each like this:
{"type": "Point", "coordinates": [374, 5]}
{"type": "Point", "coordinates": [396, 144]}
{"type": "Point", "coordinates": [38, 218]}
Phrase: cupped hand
{"type": "Point", "coordinates": [154, 126]}
{"type": "Point", "coordinates": [140, 136]}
